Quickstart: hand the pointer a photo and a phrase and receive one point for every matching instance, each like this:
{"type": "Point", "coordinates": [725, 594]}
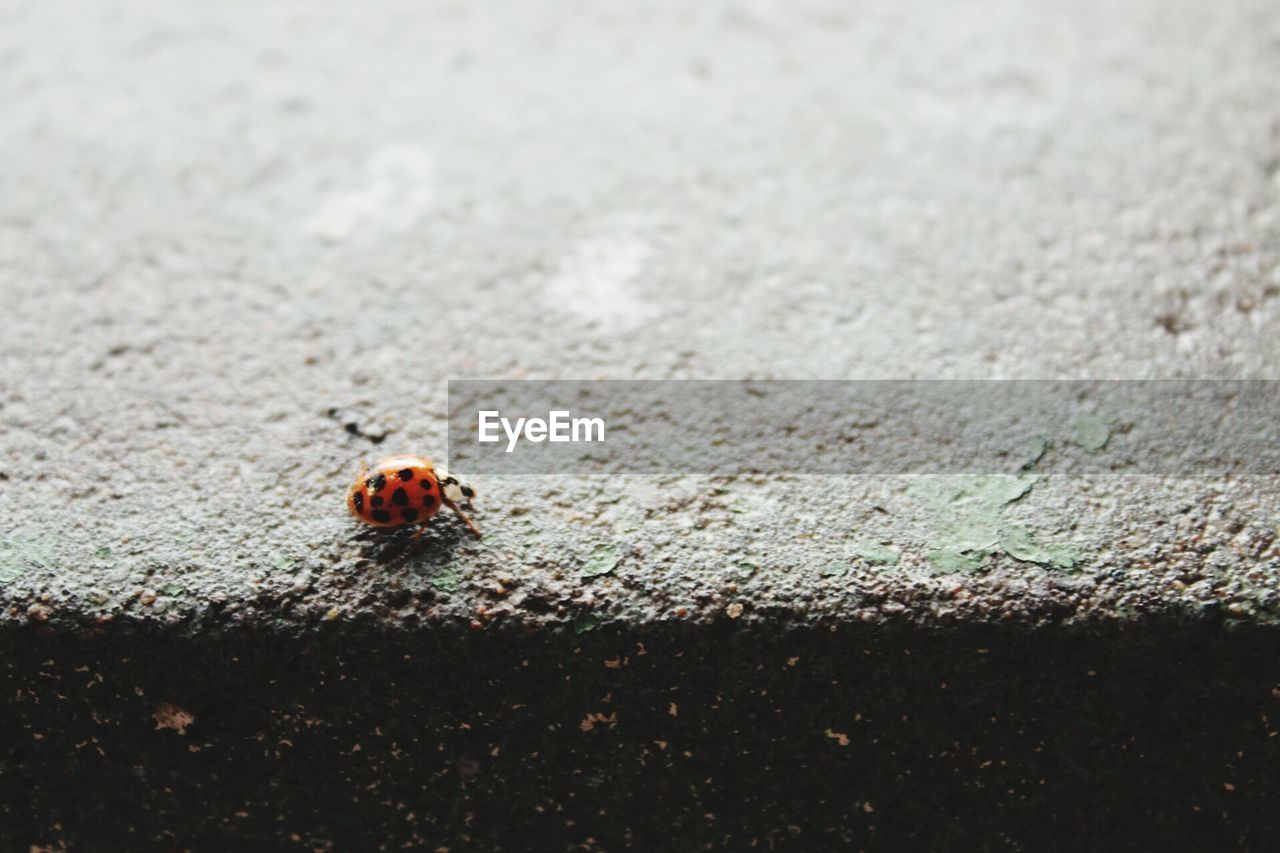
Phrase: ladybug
{"type": "Point", "coordinates": [406, 489]}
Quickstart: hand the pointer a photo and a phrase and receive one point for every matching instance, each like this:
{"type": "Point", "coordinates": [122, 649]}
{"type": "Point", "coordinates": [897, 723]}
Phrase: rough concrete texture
{"type": "Point", "coordinates": [243, 247]}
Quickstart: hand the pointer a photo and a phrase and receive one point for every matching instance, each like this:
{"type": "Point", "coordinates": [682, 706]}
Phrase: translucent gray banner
{"type": "Point", "coordinates": [1191, 428]}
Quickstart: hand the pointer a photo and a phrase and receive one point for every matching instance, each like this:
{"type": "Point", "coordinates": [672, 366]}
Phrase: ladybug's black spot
{"type": "Point", "coordinates": [405, 474]}
{"type": "Point", "coordinates": [409, 514]}
{"type": "Point", "coordinates": [399, 498]}
{"type": "Point", "coordinates": [376, 483]}
{"type": "Point", "coordinates": [377, 500]}
{"type": "Point", "coordinates": [428, 500]}
{"type": "Point", "coordinates": [358, 500]}
{"type": "Point", "coordinates": [381, 515]}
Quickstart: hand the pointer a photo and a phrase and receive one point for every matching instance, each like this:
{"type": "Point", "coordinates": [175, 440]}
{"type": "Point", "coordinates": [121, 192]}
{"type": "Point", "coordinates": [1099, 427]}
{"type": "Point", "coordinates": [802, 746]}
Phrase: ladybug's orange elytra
{"type": "Point", "coordinates": [406, 489]}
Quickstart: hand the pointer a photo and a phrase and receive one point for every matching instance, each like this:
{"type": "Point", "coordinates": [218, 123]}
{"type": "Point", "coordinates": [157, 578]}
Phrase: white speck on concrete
{"type": "Point", "coordinates": [599, 282]}
{"type": "Point", "coordinates": [399, 188]}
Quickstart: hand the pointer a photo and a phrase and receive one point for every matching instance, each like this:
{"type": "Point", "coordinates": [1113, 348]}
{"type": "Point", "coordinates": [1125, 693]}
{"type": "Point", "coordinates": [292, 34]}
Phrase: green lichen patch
{"type": "Point", "coordinates": [585, 622]}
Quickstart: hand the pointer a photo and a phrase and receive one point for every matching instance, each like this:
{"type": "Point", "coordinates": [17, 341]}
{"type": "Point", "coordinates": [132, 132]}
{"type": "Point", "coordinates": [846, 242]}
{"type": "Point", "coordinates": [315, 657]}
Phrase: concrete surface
{"type": "Point", "coordinates": [242, 248]}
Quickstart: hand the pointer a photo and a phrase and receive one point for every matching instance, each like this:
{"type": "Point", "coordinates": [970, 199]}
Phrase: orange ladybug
{"type": "Point", "coordinates": [406, 489]}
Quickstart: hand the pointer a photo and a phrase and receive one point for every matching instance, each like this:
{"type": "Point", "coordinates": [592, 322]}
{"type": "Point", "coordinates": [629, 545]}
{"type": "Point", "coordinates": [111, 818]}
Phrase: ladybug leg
{"type": "Point", "coordinates": [453, 506]}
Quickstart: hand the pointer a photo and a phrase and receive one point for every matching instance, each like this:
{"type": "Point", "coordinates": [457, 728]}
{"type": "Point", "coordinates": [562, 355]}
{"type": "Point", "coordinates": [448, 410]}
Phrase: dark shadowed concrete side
{"type": "Point", "coordinates": [667, 737]}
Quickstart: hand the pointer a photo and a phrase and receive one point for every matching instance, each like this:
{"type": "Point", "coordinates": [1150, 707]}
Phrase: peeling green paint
{"type": "Point", "coordinates": [1032, 452]}
{"type": "Point", "coordinates": [985, 490]}
{"type": "Point", "coordinates": [874, 554]}
{"type": "Point", "coordinates": [1091, 432]}
{"type": "Point", "coordinates": [967, 513]}
{"type": "Point", "coordinates": [601, 562]}
{"type": "Point", "coordinates": [585, 622]}
{"type": "Point", "coordinates": [969, 527]}
{"type": "Point", "coordinates": [948, 560]}
{"type": "Point", "coordinates": [16, 558]}
{"type": "Point", "coordinates": [833, 569]}
{"type": "Point", "coordinates": [10, 569]}
{"type": "Point", "coordinates": [1018, 543]}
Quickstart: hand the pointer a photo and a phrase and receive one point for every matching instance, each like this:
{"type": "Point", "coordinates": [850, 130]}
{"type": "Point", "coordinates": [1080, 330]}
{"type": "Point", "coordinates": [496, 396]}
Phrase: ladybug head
{"type": "Point", "coordinates": [455, 488]}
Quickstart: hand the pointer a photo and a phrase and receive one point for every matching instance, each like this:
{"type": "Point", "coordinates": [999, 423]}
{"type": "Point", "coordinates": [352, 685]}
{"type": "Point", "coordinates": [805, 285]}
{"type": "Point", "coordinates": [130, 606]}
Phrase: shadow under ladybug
{"type": "Point", "coordinates": [436, 544]}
